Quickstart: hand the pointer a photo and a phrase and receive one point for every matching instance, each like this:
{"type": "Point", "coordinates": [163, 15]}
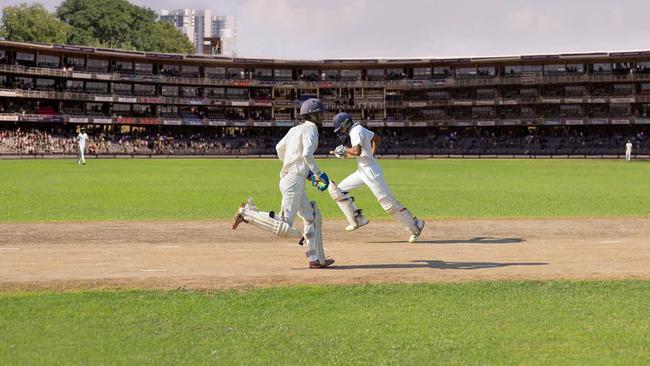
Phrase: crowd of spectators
{"type": "Point", "coordinates": [261, 141]}
{"type": "Point", "coordinates": [492, 141]}
{"type": "Point", "coordinates": [31, 141]}
{"type": "Point", "coordinates": [26, 141]}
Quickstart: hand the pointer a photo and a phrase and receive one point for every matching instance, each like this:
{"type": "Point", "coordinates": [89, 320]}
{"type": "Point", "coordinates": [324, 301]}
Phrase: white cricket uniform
{"type": "Point", "coordinates": [628, 151]}
{"type": "Point", "coordinates": [368, 171]}
{"type": "Point", "coordinates": [81, 140]}
{"type": "Point", "coordinates": [296, 151]}
{"type": "Point", "coordinates": [370, 174]}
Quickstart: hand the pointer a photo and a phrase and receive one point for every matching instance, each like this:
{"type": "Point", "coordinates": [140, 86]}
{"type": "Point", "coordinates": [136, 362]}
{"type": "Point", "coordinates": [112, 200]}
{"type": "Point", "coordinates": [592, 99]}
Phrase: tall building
{"type": "Point", "coordinates": [183, 19]}
{"type": "Point", "coordinates": [202, 28]}
{"type": "Point", "coordinates": [225, 27]}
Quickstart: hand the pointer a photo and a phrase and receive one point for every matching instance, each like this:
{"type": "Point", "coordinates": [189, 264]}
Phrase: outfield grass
{"type": "Point", "coordinates": [545, 323]}
{"type": "Point", "coordinates": [60, 190]}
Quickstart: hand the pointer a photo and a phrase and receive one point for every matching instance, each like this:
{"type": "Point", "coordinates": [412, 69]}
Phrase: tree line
{"type": "Point", "coordinates": [95, 23]}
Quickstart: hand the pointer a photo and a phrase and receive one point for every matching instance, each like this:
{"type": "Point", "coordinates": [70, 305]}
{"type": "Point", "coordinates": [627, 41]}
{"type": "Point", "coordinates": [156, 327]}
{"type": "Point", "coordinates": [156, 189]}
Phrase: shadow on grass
{"type": "Point", "coordinates": [433, 264]}
{"type": "Point", "coordinates": [475, 240]}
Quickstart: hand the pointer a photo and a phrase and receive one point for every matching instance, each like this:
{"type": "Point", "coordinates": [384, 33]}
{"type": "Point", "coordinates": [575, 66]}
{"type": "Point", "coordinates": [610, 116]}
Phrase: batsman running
{"type": "Point", "coordinates": [363, 147]}
{"type": "Point", "coordinates": [296, 151]}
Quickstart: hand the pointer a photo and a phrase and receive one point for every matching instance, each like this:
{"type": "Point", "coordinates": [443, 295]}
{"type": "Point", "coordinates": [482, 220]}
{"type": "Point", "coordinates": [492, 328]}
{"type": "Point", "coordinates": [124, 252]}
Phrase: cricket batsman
{"type": "Point", "coordinates": [296, 151]}
{"type": "Point", "coordinates": [82, 137]}
{"type": "Point", "coordinates": [363, 147]}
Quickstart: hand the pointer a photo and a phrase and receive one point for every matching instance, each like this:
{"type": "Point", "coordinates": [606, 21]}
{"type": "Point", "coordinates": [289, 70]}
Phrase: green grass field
{"type": "Point", "coordinates": [544, 323]}
{"type": "Point", "coordinates": [552, 323]}
{"type": "Point", "coordinates": [212, 189]}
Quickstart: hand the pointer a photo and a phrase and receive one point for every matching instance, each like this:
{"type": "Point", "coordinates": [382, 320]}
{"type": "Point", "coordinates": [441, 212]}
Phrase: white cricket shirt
{"type": "Point", "coordinates": [296, 150]}
{"type": "Point", "coordinates": [81, 138]}
{"type": "Point", "coordinates": [362, 136]}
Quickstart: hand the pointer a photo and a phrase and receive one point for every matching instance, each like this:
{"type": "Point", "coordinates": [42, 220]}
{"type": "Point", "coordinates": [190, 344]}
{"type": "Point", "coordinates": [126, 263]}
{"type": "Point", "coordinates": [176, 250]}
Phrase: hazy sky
{"type": "Point", "coordinates": [317, 29]}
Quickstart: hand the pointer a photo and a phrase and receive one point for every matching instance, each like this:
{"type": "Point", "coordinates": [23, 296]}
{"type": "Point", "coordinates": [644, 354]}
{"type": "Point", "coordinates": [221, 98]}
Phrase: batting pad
{"type": "Point", "coordinates": [314, 235]}
{"type": "Point", "coordinates": [401, 214]}
{"type": "Point", "coordinates": [263, 221]}
{"type": "Point", "coordinates": [345, 202]}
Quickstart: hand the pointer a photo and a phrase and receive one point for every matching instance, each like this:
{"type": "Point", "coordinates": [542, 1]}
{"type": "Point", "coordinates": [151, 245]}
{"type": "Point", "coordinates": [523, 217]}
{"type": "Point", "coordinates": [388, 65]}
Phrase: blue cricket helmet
{"type": "Point", "coordinates": [312, 105]}
{"type": "Point", "coordinates": [341, 120]}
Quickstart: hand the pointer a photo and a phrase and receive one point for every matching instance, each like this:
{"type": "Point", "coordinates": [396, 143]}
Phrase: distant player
{"type": "Point", "coordinates": [82, 137]}
{"type": "Point", "coordinates": [296, 151]}
{"type": "Point", "coordinates": [363, 147]}
{"type": "Point", "coordinates": [628, 150]}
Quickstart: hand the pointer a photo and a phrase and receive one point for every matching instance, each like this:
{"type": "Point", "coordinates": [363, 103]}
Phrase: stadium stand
{"type": "Point", "coordinates": [136, 102]}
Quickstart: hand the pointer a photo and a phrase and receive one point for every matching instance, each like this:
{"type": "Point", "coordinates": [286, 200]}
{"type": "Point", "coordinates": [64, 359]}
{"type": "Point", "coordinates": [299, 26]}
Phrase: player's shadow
{"type": "Point", "coordinates": [474, 240]}
{"type": "Point", "coordinates": [433, 264]}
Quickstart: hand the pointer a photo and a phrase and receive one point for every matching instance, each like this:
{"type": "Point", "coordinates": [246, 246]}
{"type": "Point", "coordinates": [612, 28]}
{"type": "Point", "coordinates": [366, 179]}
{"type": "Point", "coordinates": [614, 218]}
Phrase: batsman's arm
{"type": "Point", "coordinates": [376, 140]}
{"type": "Point", "coordinates": [309, 145]}
{"type": "Point", "coordinates": [353, 151]}
{"type": "Point", "coordinates": [281, 147]}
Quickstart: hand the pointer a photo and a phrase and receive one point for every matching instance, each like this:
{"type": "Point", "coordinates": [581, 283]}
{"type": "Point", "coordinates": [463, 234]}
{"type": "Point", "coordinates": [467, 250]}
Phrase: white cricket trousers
{"type": "Point", "coordinates": [370, 175]}
{"type": "Point", "coordinates": [82, 158]}
{"type": "Point", "coordinates": [294, 198]}
{"type": "Point", "coordinates": [295, 202]}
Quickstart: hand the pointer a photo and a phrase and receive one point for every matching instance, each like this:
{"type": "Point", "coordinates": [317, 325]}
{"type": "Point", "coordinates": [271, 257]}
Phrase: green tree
{"type": "Point", "coordinates": [120, 24]}
{"type": "Point", "coordinates": [99, 23]}
{"type": "Point", "coordinates": [166, 38]}
{"type": "Point", "coordinates": [24, 23]}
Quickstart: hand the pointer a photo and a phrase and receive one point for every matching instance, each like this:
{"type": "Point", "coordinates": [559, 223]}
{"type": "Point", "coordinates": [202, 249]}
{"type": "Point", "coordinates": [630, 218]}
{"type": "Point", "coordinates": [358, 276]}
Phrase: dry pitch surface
{"type": "Point", "coordinates": [204, 254]}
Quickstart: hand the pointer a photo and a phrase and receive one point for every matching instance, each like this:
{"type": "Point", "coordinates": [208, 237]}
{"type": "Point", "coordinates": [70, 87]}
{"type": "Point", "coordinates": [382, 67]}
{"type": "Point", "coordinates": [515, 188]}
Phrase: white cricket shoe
{"type": "Point", "coordinates": [361, 221]}
{"type": "Point", "coordinates": [414, 237]}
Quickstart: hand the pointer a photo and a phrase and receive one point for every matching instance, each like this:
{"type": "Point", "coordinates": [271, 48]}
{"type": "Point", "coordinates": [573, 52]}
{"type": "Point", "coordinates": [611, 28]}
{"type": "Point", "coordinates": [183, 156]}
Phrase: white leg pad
{"type": "Point", "coordinates": [346, 204]}
{"type": "Point", "coordinates": [314, 235]}
{"type": "Point", "coordinates": [401, 214]}
{"type": "Point", "coordinates": [265, 222]}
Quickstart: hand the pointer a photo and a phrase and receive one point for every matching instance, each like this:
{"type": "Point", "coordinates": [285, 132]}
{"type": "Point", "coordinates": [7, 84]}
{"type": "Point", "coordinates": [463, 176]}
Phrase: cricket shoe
{"type": "Point", "coordinates": [361, 221]}
{"type": "Point", "coordinates": [239, 218]}
{"type": "Point", "coordinates": [318, 264]}
{"type": "Point", "coordinates": [414, 237]}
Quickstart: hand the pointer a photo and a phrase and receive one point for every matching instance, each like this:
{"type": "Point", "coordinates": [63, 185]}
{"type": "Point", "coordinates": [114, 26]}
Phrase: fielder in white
{"type": "Point", "coordinates": [296, 151]}
{"type": "Point", "coordinates": [364, 145]}
{"type": "Point", "coordinates": [628, 150]}
{"type": "Point", "coordinates": [82, 137]}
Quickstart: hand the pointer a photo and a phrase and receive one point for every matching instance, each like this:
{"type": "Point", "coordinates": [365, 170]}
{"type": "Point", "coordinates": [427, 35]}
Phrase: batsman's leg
{"type": "Point", "coordinates": [313, 234]}
{"type": "Point", "coordinates": [345, 201]}
{"type": "Point", "coordinates": [411, 223]}
{"type": "Point", "coordinates": [266, 221]}
{"type": "Point", "coordinates": [374, 178]}
{"type": "Point", "coordinates": [292, 188]}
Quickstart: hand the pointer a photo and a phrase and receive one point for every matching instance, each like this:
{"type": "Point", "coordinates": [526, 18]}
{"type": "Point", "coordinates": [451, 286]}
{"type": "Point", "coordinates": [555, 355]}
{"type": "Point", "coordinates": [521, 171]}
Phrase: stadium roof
{"type": "Point", "coordinates": [340, 62]}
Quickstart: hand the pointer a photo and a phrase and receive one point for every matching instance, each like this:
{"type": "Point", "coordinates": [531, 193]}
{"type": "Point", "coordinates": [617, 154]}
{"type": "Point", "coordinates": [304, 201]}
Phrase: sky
{"type": "Point", "coordinates": [322, 29]}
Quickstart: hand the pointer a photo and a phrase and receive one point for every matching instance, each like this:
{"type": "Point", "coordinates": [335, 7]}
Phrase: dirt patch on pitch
{"type": "Point", "coordinates": [203, 255]}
